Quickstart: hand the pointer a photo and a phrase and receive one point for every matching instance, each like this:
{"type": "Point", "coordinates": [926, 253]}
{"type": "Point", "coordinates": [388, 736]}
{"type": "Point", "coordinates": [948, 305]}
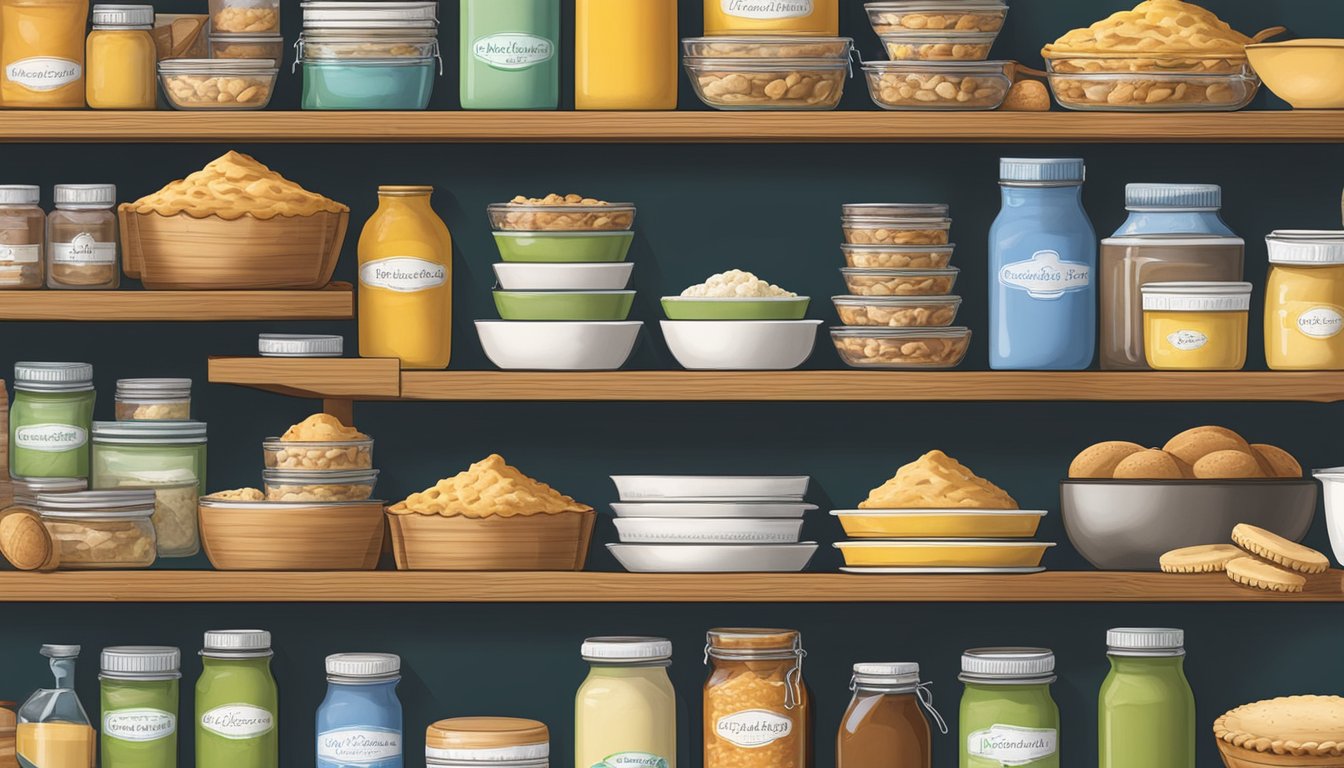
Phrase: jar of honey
{"type": "Point", "coordinates": [885, 726]}
{"type": "Point", "coordinates": [121, 57]}
{"type": "Point", "coordinates": [756, 704]}
{"type": "Point", "coordinates": [1304, 301]}
{"type": "Point", "coordinates": [1195, 326]}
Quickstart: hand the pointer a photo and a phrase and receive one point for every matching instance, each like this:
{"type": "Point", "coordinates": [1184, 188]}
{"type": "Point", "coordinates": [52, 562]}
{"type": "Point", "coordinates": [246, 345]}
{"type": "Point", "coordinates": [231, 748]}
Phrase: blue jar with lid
{"type": "Point", "coordinates": [1042, 265]}
{"type": "Point", "coordinates": [359, 721]}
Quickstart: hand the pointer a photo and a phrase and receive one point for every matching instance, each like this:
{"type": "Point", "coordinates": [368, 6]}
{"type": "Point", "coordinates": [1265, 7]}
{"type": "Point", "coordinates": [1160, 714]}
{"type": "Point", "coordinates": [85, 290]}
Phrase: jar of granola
{"type": "Point", "coordinates": [100, 529]}
{"type": "Point", "coordinates": [82, 238]}
{"type": "Point", "coordinates": [153, 399]}
{"type": "Point", "coordinates": [756, 704]}
{"type": "Point", "coordinates": [22, 230]}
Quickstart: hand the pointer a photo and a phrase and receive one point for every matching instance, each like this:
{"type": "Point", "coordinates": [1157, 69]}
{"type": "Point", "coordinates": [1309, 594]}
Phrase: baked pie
{"type": "Point", "coordinates": [1293, 731]}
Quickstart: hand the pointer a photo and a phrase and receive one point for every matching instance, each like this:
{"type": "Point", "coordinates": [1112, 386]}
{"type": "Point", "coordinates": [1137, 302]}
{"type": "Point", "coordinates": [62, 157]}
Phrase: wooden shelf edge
{"type": "Point", "coordinates": [335, 302]}
{"type": "Point", "coordinates": [330, 378]}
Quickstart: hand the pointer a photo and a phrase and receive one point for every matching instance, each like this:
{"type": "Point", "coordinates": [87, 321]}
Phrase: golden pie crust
{"type": "Point", "coordinates": [1298, 726]}
{"type": "Point", "coordinates": [488, 488]}
{"type": "Point", "coordinates": [1279, 550]}
{"type": "Point", "coordinates": [937, 481]}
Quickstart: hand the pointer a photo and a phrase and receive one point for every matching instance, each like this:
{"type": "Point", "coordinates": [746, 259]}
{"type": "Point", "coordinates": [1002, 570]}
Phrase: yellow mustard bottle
{"type": "Point", "coordinates": [1304, 301]}
{"type": "Point", "coordinates": [406, 281]}
{"type": "Point", "coordinates": [121, 58]}
{"type": "Point", "coordinates": [42, 53]}
{"type": "Point", "coordinates": [625, 54]}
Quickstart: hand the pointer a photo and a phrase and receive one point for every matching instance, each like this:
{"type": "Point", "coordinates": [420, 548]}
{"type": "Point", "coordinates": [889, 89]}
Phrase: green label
{"type": "Point", "coordinates": [632, 760]}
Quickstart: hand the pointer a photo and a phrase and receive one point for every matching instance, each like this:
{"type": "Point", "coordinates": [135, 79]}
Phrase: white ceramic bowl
{"type": "Point", "coordinates": [710, 487]}
{"type": "Point", "coordinates": [710, 509]}
{"type": "Point", "coordinates": [741, 345]}
{"type": "Point", "coordinates": [1332, 480]}
{"type": "Point", "coordinates": [690, 530]}
{"type": "Point", "coordinates": [714, 558]}
{"type": "Point", "coordinates": [596, 276]}
{"type": "Point", "coordinates": [558, 346]}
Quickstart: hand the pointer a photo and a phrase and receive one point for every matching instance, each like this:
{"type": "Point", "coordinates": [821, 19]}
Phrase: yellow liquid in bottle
{"type": "Point", "coordinates": [625, 54]}
{"type": "Point", "coordinates": [42, 53]}
{"type": "Point", "coordinates": [406, 281]}
{"type": "Point", "coordinates": [56, 745]}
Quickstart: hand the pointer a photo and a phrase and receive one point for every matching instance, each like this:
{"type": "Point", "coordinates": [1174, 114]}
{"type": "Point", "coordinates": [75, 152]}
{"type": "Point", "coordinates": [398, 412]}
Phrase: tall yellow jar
{"type": "Point", "coordinates": [772, 17]}
{"type": "Point", "coordinates": [1304, 301]}
{"type": "Point", "coordinates": [406, 281]}
{"type": "Point", "coordinates": [625, 54]}
{"type": "Point", "coordinates": [121, 58]}
{"type": "Point", "coordinates": [1195, 326]}
{"type": "Point", "coordinates": [42, 53]}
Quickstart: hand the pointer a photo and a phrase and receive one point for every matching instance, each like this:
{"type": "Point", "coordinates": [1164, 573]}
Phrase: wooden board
{"type": "Point", "coordinates": [333, 378]}
{"type": "Point", "coordinates": [335, 302]}
{"type": "Point", "coordinates": [691, 126]}
{"type": "Point", "coordinates": [449, 587]}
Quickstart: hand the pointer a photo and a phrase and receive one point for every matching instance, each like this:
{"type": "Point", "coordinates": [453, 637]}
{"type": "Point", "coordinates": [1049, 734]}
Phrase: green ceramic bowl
{"type": "Point", "coordinates": [782, 308]}
{"type": "Point", "coordinates": [564, 305]}
{"type": "Point", "coordinates": [563, 247]}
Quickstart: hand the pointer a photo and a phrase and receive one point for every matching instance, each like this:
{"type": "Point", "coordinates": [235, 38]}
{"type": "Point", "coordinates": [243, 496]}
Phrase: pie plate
{"type": "Point", "coordinates": [944, 553]}
{"type": "Point", "coordinates": [876, 570]}
{"type": "Point", "coordinates": [714, 558]}
{"type": "Point", "coordinates": [939, 523]}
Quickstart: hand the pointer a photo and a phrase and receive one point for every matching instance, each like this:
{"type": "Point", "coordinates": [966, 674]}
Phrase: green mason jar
{"type": "Point", "coordinates": [1007, 714]}
{"type": "Point", "coordinates": [139, 685]}
{"type": "Point", "coordinates": [237, 702]}
{"type": "Point", "coordinates": [510, 54]}
{"type": "Point", "coordinates": [50, 420]}
{"type": "Point", "coordinates": [1146, 710]}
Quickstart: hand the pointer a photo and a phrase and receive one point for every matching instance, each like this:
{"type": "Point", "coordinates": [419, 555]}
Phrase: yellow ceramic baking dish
{"type": "Point", "coordinates": [939, 523]}
{"type": "Point", "coordinates": [944, 554]}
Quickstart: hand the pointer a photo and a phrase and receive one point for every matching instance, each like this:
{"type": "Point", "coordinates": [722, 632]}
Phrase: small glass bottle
{"type": "Point", "coordinates": [54, 729]}
{"type": "Point", "coordinates": [885, 726]}
{"type": "Point", "coordinates": [50, 420]}
{"type": "Point", "coordinates": [82, 238]}
{"type": "Point", "coordinates": [359, 721]}
{"type": "Point", "coordinates": [139, 687]}
{"type": "Point", "coordinates": [237, 722]}
{"type": "Point", "coordinates": [23, 227]}
{"type": "Point", "coordinates": [1146, 710]}
{"type": "Point", "coordinates": [121, 58]}
{"type": "Point", "coordinates": [1008, 716]}
{"type": "Point", "coordinates": [625, 713]}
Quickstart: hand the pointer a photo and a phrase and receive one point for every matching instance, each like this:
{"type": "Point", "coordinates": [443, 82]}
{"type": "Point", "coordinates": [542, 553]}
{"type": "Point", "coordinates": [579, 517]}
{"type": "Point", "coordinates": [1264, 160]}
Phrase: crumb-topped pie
{"type": "Point", "coordinates": [1296, 731]}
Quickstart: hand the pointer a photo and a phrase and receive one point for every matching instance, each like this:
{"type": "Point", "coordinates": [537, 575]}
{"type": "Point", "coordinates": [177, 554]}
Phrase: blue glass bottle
{"type": "Point", "coordinates": [359, 722]}
{"type": "Point", "coordinates": [1042, 268]}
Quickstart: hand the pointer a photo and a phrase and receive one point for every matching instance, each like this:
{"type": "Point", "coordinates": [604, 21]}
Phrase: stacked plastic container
{"type": "Point", "coordinates": [246, 29]}
{"type": "Point", "coordinates": [361, 55]}
{"type": "Point", "coordinates": [899, 309]}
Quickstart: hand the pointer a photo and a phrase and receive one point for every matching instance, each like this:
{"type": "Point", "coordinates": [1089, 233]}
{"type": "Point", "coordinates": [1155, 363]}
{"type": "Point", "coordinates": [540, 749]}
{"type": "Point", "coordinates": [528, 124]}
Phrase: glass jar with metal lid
{"type": "Point", "coordinates": [82, 238]}
{"type": "Point", "coordinates": [497, 742]}
{"type": "Point", "coordinates": [50, 420]}
{"type": "Point", "coordinates": [368, 55]}
{"type": "Point", "coordinates": [895, 223]}
{"type": "Point", "coordinates": [140, 454]}
{"type": "Point", "coordinates": [23, 226]}
{"type": "Point", "coordinates": [885, 724]}
{"type": "Point", "coordinates": [26, 490]}
{"type": "Point", "coordinates": [1304, 301]}
{"type": "Point", "coordinates": [625, 713]}
{"type": "Point", "coordinates": [153, 399]}
{"type": "Point", "coordinates": [359, 721]}
{"type": "Point", "coordinates": [237, 704]}
{"type": "Point", "coordinates": [100, 529]}
{"type": "Point", "coordinates": [1008, 716]}
{"type": "Point", "coordinates": [1146, 710]}
{"type": "Point", "coordinates": [140, 700]}
{"type": "Point", "coordinates": [756, 704]}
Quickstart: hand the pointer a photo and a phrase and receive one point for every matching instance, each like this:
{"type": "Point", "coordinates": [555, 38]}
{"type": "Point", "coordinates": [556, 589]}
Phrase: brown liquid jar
{"type": "Point", "coordinates": [885, 725]}
{"type": "Point", "coordinates": [22, 229]}
{"type": "Point", "coordinates": [756, 704]}
{"type": "Point", "coordinates": [82, 238]}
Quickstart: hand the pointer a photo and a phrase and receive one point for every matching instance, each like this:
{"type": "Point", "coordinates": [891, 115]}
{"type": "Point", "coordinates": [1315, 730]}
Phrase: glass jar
{"type": "Point", "coordinates": [145, 453]}
{"type": "Point", "coordinates": [1173, 234]}
{"type": "Point", "coordinates": [139, 692]}
{"type": "Point", "coordinates": [1008, 716]}
{"type": "Point", "coordinates": [1196, 326]}
{"type": "Point", "coordinates": [362, 56]}
{"type": "Point", "coordinates": [237, 702]}
{"type": "Point", "coordinates": [510, 54]}
{"type": "Point", "coordinates": [1042, 253]}
{"type": "Point", "coordinates": [42, 53]}
{"type": "Point", "coordinates": [235, 16]}
{"type": "Point", "coordinates": [625, 713]}
{"type": "Point", "coordinates": [53, 728]}
{"type": "Point", "coordinates": [100, 529]}
{"type": "Point", "coordinates": [26, 490]}
{"type": "Point", "coordinates": [50, 420]}
{"type": "Point", "coordinates": [487, 742]}
{"type": "Point", "coordinates": [23, 227]}
{"type": "Point", "coordinates": [359, 721]}
{"type": "Point", "coordinates": [153, 399]}
{"type": "Point", "coordinates": [1304, 301]}
{"type": "Point", "coordinates": [82, 238]}
{"type": "Point", "coordinates": [885, 726]}
{"type": "Point", "coordinates": [816, 18]}
{"type": "Point", "coordinates": [625, 54]}
{"type": "Point", "coordinates": [756, 703]}
{"type": "Point", "coordinates": [121, 57]}
{"type": "Point", "coordinates": [1146, 710]}
{"type": "Point", "coordinates": [246, 46]}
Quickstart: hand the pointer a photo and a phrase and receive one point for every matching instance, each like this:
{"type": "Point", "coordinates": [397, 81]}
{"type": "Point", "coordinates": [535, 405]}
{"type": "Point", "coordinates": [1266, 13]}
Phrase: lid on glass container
{"type": "Point", "coordinates": [1007, 666]}
{"type": "Point", "coordinates": [740, 643]}
{"type": "Point", "coordinates": [897, 210]}
{"type": "Point", "coordinates": [123, 16]}
{"type": "Point", "coordinates": [1196, 297]}
{"type": "Point", "coordinates": [150, 432]}
{"type": "Point", "coordinates": [364, 665]}
{"type": "Point", "coordinates": [329, 14]}
{"type": "Point", "coordinates": [53, 377]}
{"type": "Point", "coordinates": [300, 345]}
{"type": "Point", "coordinates": [240, 643]}
{"type": "Point", "coordinates": [96, 505]}
{"type": "Point", "coordinates": [960, 6]}
{"type": "Point", "coordinates": [20, 194]}
{"type": "Point", "coordinates": [154, 389]}
{"type": "Point", "coordinates": [1184, 197]}
{"type": "Point", "coordinates": [319, 476]}
{"type": "Point", "coordinates": [31, 486]}
{"type": "Point", "coordinates": [162, 662]}
{"type": "Point", "coordinates": [1042, 170]}
{"type": "Point", "coordinates": [768, 47]}
{"type": "Point", "coordinates": [487, 739]}
{"type": "Point", "coordinates": [626, 649]}
{"type": "Point", "coordinates": [1145, 641]}
{"type": "Point", "coordinates": [889, 674]}
{"type": "Point", "coordinates": [1305, 246]}
{"type": "Point", "coordinates": [57, 651]}
{"type": "Point", "coordinates": [215, 67]}
{"type": "Point", "coordinates": [85, 196]}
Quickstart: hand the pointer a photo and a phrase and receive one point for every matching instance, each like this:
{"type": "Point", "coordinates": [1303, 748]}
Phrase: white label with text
{"type": "Point", "coordinates": [753, 727]}
{"type": "Point", "coordinates": [1187, 341]}
{"type": "Point", "coordinates": [83, 249]}
{"type": "Point", "coordinates": [358, 746]}
{"type": "Point", "coordinates": [632, 760]}
{"type": "Point", "coordinates": [1010, 745]}
{"type": "Point", "coordinates": [50, 438]}
{"type": "Point", "coordinates": [20, 254]}
{"type": "Point", "coordinates": [238, 721]}
{"type": "Point", "coordinates": [43, 73]}
{"type": "Point", "coordinates": [139, 724]}
{"type": "Point", "coordinates": [767, 9]}
{"type": "Point", "coordinates": [405, 274]}
{"type": "Point", "coordinates": [1046, 276]}
{"type": "Point", "coordinates": [513, 50]}
{"type": "Point", "coordinates": [1320, 322]}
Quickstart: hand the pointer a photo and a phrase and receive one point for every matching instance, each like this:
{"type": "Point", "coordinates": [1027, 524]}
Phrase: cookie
{"type": "Point", "coordinates": [1149, 464]}
{"type": "Point", "coordinates": [1277, 549]}
{"type": "Point", "coordinates": [1249, 572]}
{"type": "Point", "coordinates": [1194, 444]}
{"type": "Point", "coordinates": [1276, 462]}
{"type": "Point", "coordinates": [1227, 465]}
{"type": "Point", "coordinates": [25, 542]}
{"type": "Point", "coordinates": [1100, 460]}
{"type": "Point", "coordinates": [1205, 558]}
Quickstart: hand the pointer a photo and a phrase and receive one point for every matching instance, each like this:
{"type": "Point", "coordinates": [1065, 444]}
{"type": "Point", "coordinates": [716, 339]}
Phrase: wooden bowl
{"type": "Point", "coordinates": [525, 543]}
{"type": "Point", "coordinates": [300, 536]}
{"type": "Point", "coordinates": [185, 253]}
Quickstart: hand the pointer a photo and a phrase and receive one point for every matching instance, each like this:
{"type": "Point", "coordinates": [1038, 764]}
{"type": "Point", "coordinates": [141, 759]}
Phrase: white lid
{"type": "Point", "coordinates": [626, 649]}
{"type": "Point", "coordinates": [488, 755]}
{"type": "Point", "coordinates": [1305, 246]}
{"type": "Point", "coordinates": [85, 195]}
{"type": "Point", "coordinates": [300, 345]}
{"type": "Point", "coordinates": [20, 194]}
{"type": "Point", "coordinates": [149, 431]}
{"type": "Point", "coordinates": [123, 16]}
{"type": "Point", "coordinates": [142, 660]}
{"type": "Point", "coordinates": [237, 640]}
{"type": "Point", "coordinates": [1197, 297]}
{"type": "Point", "coordinates": [54, 375]}
{"type": "Point", "coordinates": [363, 664]}
{"type": "Point", "coordinates": [57, 651]}
{"type": "Point", "coordinates": [887, 674]}
{"type": "Point", "coordinates": [1008, 665]}
{"type": "Point", "coordinates": [1145, 641]}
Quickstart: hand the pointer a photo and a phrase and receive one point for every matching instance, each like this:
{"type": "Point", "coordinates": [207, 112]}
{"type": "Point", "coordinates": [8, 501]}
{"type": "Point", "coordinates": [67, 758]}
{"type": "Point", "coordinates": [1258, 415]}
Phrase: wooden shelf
{"type": "Point", "coordinates": [444, 587]}
{"type": "Point", "coordinates": [380, 379]}
{"type": "Point", "coordinates": [335, 302]}
{"type": "Point", "coordinates": [668, 127]}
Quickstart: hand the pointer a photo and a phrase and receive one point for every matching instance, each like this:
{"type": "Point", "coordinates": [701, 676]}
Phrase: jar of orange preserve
{"type": "Point", "coordinates": [772, 17]}
{"type": "Point", "coordinates": [625, 54]}
{"type": "Point", "coordinates": [1304, 301]}
{"type": "Point", "coordinates": [42, 53]}
{"type": "Point", "coordinates": [756, 704]}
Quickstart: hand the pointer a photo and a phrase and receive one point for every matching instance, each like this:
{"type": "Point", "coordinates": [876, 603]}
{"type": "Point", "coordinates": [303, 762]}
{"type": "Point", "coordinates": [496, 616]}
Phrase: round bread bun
{"type": "Point", "coordinates": [1150, 464]}
{"type": "Point", "coordinates": [1228, 465]}
{"type": "Point", "coordinates": [1194, 444]}
{"type": "Point", "coordinates": [1276, 462]}
{"type": "Point", "coordinates": [1100, 460]}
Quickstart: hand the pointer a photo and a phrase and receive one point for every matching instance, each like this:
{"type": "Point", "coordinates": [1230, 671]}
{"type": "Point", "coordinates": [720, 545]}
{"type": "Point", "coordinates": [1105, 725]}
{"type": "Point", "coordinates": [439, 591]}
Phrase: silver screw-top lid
{"type": "Point", "coordinates": [299, 345]}
{"type": "Point", "coordinates": [150, 431]}
{"type": "Point", "coordinates": [1059, 170]}
{"type": "Point", "coordinates": [626, 649]}
{"type": "Point", "coordinates": [123, 16]}
{"type": "Point", "coordinates": [887, 674]}
{"type": "Point", "coordinates": [85, 195]}
{"type": "Point", "coordinates": [55, 374]}
{"type": "Point", "coordinates": [1007, 665]}
{"type": "Point", "coordinates": [1145, 641]}
{"type": "Point", "coordinates": [158, 388]}
{"type": "Point", "coordinates": [363, 664]}
{"type": "Point", "coordinates": [20, 194]}
{"type": "Point", "coordinates": [237, 640]}
{"type": "Point", "coordinates": [142, 660]}
{"type": "Point", "coordinates": [56, 651]}
{"type": "Point", "coordinates": [1207, 197]}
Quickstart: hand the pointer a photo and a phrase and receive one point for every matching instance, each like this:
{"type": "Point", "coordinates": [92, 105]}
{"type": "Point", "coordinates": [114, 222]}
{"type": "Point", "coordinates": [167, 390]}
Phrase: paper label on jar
{"type": "Point", "coordinates": [1320, 322]}
{"type": "Point", "coordinates": [753, 727]}
{"type": "Point", "coordinates": [1010, 745]}
{"type": "Point", "coordinates": [84, 249]}
{"type": "Point", "coordinates": [50, 438]}
{"type": "Point", "coordinates": [20, 254]}
{"type": "Point", "coordinates": [404, 274]}
{"type": "Point", "coordinates": [767, 9]}
{"type": "Point", "coordinates": [43, 73]}
{"type": "Point", "coordinates": [1046, 276]}
{"type": "Point", "coordinates": [238, 721]}
{"type": "Point", "coordinates": [632, 760]}
{"type": "Point", "coordinates": [139, 724]}
{"type": "Point", "coordinates": [513, 50]}
{"type": "Point", "coordinates": [1187, 341]}
{"type": "Point", "coordinates": [358, 746]}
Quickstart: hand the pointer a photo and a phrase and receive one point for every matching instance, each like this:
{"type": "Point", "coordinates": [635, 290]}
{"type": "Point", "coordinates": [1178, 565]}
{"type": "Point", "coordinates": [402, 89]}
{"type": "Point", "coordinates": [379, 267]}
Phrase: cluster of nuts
{"type": "Point", "coordinates": [812, 49]}
{"type": "Point", "coordinates": [232, 18]}
{"type": "Point", "coordinates": [247, 50]}
{"type": "Point", "coordinates": [291, 455]}
{"type": "Point", "coordinates": [177, 410]}
{"type": "Point", "coordinates": [914, 89]}
{"type": "Point", "coordinates": [887, 232]}
{"type": "Point", "coordinates": [320, 492]}
{"type": "Point", "coordinates": [364, 50]}
{"type": "Point", "coordinates": [1166, 64]}
{"type": "Point", "coordinates": [896, 21]}
{"type": "Point", "coordinates": [103, 542]}
{"type": "Point", "coordinates": [530, 219]}
{"type": "Point", "coordinates": [800, 88]}
{"type": "Point", "coordinates": [217, 91]}
{"type": "Point", "coordinates": [925, 351]}
{"type": "Point", "coordinates": [907, 316]}
{"type": "Point", "coordinates": [877, 258]}
{"type": "Point", "coordinates": [1138, 91]}
{"type": "Point", "coordinates": [900, 283]}
{"type": "Point", "coordinates": [905, 50]}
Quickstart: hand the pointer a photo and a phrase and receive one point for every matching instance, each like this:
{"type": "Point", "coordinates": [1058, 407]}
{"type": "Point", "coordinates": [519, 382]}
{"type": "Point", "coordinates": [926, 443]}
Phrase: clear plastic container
{"type": "Point", "coordinates": [898, 311]}
{"type": "Point", "coordinates": [223, 84]}
{"type": "Point", "coordinates": [23, 226]}
{"type": "Point", "coordinates": [1154, 91]}
{"type": "Point", "coordinates": [101, 529]}
{"type": "Point", "coordinates": [760, 47]}
{"type": "Point", "coordinates": [153, 399]}
{"type": "Point", "coordinates": [82, 239]}
{"type": "Point", "coordinates": [539, 217]}
{"type": "Point", "coordinates": [148, 453]}
{"type": "Point", "coordinates": [902, 347]}
{"type": "Point", "coordinates": [225, 45]}
{"type": "Point", "coordinates": [938, 85]}
{"type": "Point", "coordinates": [898, 256]}
{"type": "Point", "coordinates": [308, 486]}
{"type": "Point", "coordinates": [895, 230]}
{"type": "Point", "coordinates": [338, 456]}
{"type": "Point", "coordinates": [377, 69]}
{"type": "Point", "coordinates": [936, 16]}
{"type": "Point", "coordinates": [972, 46]}
{"type": "Point", "coordinates": [764, 84]}
{"type": "Point", "coordinates": [900, 282]}
{"type": "Point", "coordinates": [252, 16]}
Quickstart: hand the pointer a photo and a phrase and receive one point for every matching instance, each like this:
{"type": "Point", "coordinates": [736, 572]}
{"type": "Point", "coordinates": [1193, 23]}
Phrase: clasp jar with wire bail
{"type": "Point", "coordinates": [756, 704]}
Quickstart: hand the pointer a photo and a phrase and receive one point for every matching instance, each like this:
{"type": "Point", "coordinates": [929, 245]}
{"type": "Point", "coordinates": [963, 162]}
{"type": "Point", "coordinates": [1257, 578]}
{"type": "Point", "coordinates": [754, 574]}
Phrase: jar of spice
{"type": "Point", "coordinates": [139, 691]}
{"type": "Point", "coordinates": [885, 725]}
{"type": "Point", "coordinates": [100, 529]}
{"type": "Point", "coordinates": [50, 420]}
{"type": "Point", "coordinates": [756, 703]}
{"type": "Point", "coordinates": [1304, 301]}
{"type": "Point", "coordinates": [1007, 714]}
{"type": "Point", "coordinates": [153, 399]}
{"type": "Point", "coordinates": [121, 57]}
{"type": "Point", "coordinates": [359, 721]}
{"type": "Point", "coordinates": [23, 227]}
{"type": "Point", "coordinates": [82, 238]}
{"type": "Point", "coordinates": [488, 742]}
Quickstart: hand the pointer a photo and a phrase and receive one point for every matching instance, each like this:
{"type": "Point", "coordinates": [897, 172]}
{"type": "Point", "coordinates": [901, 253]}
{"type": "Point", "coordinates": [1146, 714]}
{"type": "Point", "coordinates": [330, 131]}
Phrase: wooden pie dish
{"type": "Point", "coordinates": [541, 542]}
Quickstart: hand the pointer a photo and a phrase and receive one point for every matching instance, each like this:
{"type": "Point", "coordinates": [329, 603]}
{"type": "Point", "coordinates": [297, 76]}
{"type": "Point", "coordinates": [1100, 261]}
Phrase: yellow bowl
{"type": "Point", "coordinates": [939, 523]}
{"type": "Point", "coordinates": [944, 554]}
{"type": "Point", "coordinates": [1309, 74]}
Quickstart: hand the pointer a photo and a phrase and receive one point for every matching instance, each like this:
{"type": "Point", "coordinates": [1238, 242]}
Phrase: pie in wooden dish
{"type": "Point", "coordinates": [1289, 732]}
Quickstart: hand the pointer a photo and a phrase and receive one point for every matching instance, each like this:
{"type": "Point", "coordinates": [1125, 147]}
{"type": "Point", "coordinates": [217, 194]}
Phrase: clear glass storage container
{"type": "Point", "coordinates": [153, 399]}
{"type": "Point", "coordinates": [82, 240]}
{"type": "Point", "coordinates": [100, 529]}
{"type": "Point", "coordinates": [23, 231]}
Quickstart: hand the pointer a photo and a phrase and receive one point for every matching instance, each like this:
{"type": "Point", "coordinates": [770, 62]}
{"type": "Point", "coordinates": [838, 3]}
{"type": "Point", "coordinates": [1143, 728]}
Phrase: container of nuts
{"type": "Point", "coordinates": [926, 47]}
{"type": "Point", "coordinates": [895, 224]}
{"type": "Point", "coordinates": [234, 16]}
{"type": "Point", "coordinates": [926, 348]}
{"type": "Point", "coordinates": [768, 83]}
{"type": "Point", "coordinates": [224, 84]}
{"type": "Point", "coordinates": [297, 485]}
{"type": "Point", "coordinates": [938, 85]}
{"type": "Point", "coordinates": [897, 311]}
{"type": "Point", "coordinates": [898, 256]}
{"type": "Point", "coordinates": [899, 282]}
{"type": "Point", "coordinates": [336, 455]}
{"type": "Point", "coordinates": [936, 16]}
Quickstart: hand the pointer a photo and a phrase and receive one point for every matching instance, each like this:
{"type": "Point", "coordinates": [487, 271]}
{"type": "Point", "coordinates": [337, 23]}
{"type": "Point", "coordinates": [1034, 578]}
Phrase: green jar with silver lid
{"type": "Point", "coordinates": [1008, 716]}
{"type": "Point", "coordinates": [50, 420]}
{"type": "Point", "coordinates": [166, 456]}
{"type": "Point", "coordinates": [140, 700]}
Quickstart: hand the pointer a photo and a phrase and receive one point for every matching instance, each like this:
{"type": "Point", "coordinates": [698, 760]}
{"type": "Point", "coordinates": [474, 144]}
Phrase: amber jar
{"type": "Point", "coordinates": [22, 232]}
{"type": "Point", "coordinates": [82, 238]}
{"type": "Point", "coordinates": [756, 703]}
{"type": "Point", "coordinates": [885, 726]}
